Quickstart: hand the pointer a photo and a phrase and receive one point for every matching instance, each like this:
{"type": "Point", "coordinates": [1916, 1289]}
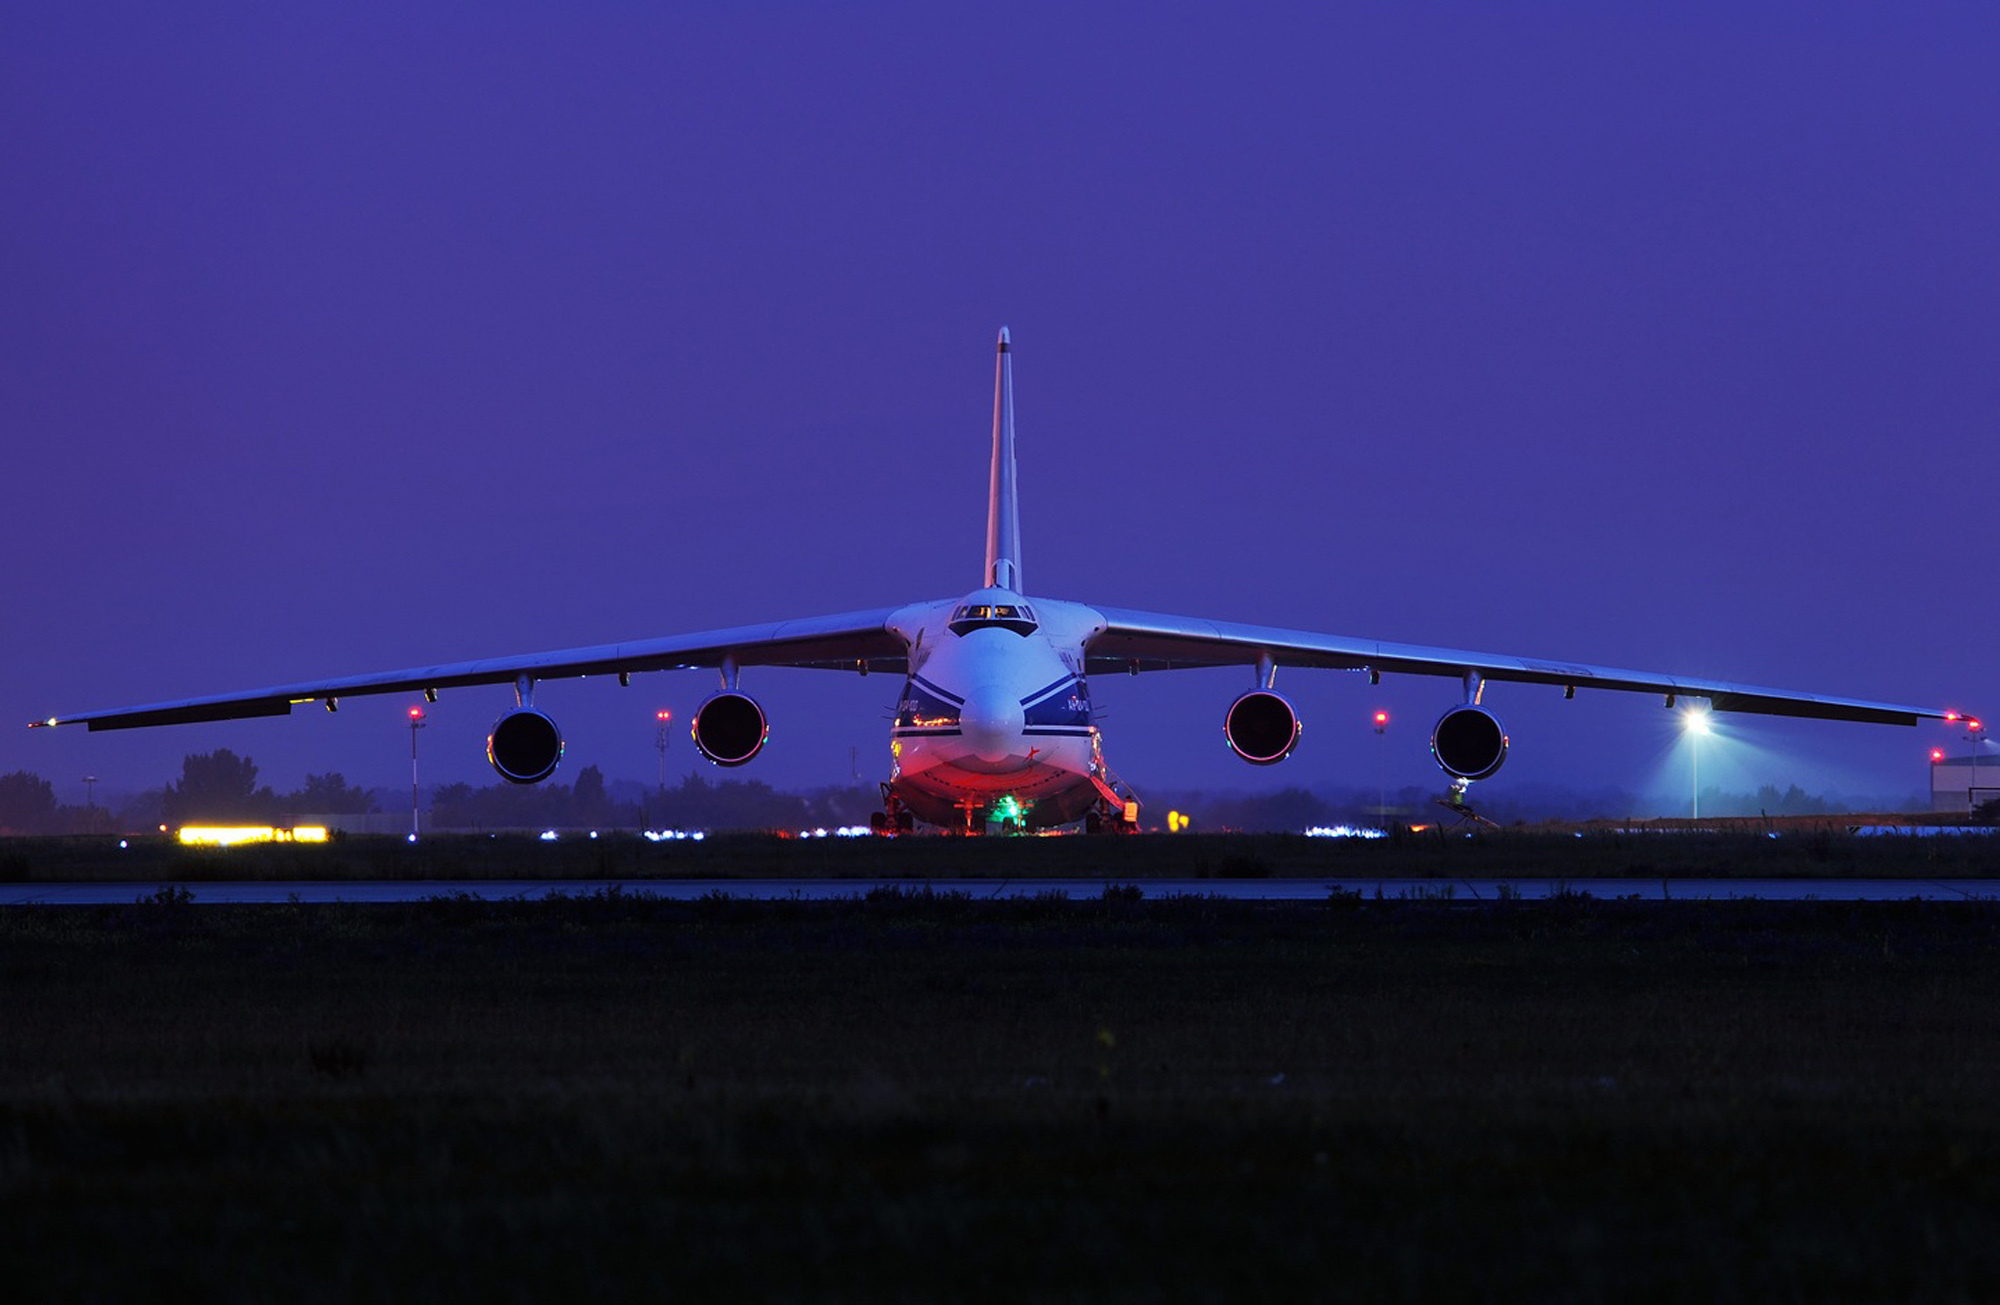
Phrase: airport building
{"type": "Point", "coordinates": [1958, 784]}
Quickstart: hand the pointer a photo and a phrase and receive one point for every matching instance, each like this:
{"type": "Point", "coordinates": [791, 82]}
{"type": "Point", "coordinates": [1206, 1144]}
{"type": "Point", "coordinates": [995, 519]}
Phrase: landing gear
{"type": "Point", "coordinates": [1117, 806]}
{"type": "Point", "coordinates": [893, 818]}
{"type": "Point", "coordinates": [1106, 818]}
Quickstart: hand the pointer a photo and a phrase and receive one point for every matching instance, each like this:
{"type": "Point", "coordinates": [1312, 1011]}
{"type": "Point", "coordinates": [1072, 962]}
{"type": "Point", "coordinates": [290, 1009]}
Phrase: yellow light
{"type": "Point", "coordinates": [234, 835]}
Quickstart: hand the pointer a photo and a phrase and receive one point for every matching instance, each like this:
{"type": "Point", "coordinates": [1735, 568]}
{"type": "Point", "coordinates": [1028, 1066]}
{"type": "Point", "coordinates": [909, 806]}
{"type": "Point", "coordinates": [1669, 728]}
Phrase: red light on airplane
{"type": "Point", "coordinates": [1951, 716]}
{"type": "Point", "coordinates": [1972, 723]}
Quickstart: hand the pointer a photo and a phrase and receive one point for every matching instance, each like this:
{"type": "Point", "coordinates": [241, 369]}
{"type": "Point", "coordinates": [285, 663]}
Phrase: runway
{"type": "Point", "coordinates": [1459, 891]}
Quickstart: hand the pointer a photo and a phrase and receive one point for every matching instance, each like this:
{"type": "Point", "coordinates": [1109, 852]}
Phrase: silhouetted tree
{"type": "Point", "coordinates": [452, 806]}
{"type": "Point", "coordinates": [218, 785]}
{"type": "Point", "coordinates": [589, 802]}
{"type": "Point", "coordinates": [329, 794]}
{"type": "Point", "coordinates": [146, 810]}
{"type": "Point", "coordinates": [27, 803]}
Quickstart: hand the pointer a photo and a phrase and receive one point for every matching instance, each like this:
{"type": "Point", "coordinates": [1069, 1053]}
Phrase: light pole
{"type": "Point", "coordinates": [1694, 721]}
{"type": "Point", "coordinates": [90, 792]}
{"type": "Point", "coordinates": [1974, 733]}
{"type": "Point", "coordinates": [416, 723]}
{"type": "Point", "coordinates": [1381, 775]}
{"type": "Point", "coordinates": [662, 716]}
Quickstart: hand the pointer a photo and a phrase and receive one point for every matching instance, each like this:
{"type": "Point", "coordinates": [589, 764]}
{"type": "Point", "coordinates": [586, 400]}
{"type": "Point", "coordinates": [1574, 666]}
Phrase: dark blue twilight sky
{"type": "Point", "coordinates": [1656, 335]}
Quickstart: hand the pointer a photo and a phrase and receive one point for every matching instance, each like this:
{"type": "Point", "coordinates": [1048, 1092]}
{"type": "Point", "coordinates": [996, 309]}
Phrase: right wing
{"type": "Point", "coordinates": [1147, 641]}
{"type": "Point", "coordinates": [854, 641]}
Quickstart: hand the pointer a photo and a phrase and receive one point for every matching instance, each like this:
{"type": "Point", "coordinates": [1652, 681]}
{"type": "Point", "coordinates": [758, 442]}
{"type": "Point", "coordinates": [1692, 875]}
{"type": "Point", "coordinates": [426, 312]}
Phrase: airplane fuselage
{"type": "Point", "coordinates": [996, 706]}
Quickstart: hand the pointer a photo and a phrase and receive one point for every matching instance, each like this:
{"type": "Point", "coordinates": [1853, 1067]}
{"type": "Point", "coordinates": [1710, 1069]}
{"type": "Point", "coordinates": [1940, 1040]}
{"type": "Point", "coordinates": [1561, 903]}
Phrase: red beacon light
{"type": "Point", "coordinates": [416, 713]}
{"type": "Point", "coordinates": [1381, 721]}
{"type": "Point", "coordinates": [1937, 755]}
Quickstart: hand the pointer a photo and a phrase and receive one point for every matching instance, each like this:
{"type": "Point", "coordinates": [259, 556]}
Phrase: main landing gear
{"type": "Point", "coordinates": [893, 818]}
{"type": "Point", "coordinates": [1116, 810]}
{"type": "Point", "coordinates": [1107, 819]}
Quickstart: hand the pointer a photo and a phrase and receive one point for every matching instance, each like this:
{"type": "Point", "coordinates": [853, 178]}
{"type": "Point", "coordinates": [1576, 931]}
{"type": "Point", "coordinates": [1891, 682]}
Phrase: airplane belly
{"type": "Point", "coordinates": [938, 778]}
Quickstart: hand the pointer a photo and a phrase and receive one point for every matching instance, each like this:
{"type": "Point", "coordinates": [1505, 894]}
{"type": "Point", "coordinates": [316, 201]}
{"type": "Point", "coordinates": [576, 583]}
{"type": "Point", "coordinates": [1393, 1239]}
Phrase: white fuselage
{"type": "Point", "coordinates": [995, 707]}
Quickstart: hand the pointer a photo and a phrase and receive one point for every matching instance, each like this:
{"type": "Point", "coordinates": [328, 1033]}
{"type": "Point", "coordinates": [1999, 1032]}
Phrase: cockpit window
{"type": "Point", "coordinates": [1018, 617]}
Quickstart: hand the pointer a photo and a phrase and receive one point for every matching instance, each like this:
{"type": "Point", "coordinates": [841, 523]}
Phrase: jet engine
{"type": "Point", "coordinates": [524, 746]}
{"type": "Point", "coordinates": [1469, 742]}
{"type": "Point", "coordinates": [1261, 728]}
{"type": "Point", "coordinates": [729, 728]}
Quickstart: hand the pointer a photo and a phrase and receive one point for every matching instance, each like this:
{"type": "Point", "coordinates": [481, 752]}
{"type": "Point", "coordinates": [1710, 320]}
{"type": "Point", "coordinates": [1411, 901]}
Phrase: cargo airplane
{"type": "Point", "coordinates": [994, 722]}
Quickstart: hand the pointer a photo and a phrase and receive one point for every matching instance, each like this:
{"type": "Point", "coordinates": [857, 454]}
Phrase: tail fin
{"type": "Point", "coordinates": [1003, 506]}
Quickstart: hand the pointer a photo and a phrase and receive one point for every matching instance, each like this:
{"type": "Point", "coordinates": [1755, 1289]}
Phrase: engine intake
{"type": "Point", "coordinates": [730, 728]}
{"type": "Point", "coordinates": [525, 746]}
{"type": "Point", "coordinates": [1469, 742]}
{"type": "Point", "coordinates": [1261, 728]}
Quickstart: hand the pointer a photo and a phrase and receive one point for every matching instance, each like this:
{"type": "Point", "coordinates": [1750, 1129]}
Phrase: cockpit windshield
{"type": "Point", "coordinates": [1018, 617]}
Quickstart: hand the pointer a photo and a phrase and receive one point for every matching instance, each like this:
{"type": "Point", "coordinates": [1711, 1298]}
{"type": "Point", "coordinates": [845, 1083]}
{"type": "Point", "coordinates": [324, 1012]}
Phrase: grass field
{"type": "Point", "coordinates": [1506, 854]}
{"type": "Point", "coordinates": [923, 1095]}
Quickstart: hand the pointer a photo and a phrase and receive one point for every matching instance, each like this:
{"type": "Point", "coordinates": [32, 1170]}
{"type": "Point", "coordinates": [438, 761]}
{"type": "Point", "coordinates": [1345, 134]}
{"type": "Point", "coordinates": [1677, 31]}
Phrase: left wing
{"type": "Point", "coordinates": [1148, 641]}
{"type": "Point", "coordinates": [850, 641]}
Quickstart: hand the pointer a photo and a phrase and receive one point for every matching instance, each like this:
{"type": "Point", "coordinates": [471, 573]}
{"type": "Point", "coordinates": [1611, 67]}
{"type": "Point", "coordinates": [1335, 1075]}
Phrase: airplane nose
{"type": "Point", "coordinates": [991, 722]}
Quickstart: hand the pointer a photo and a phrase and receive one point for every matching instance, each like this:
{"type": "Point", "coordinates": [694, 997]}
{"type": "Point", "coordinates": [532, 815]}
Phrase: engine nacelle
{"type": "Point", "coordinates": [1261, 728]}
{"type": "Point", "coordinates": [1469, 742]}
{"type": "Point", "coordinates": [525, 746]}
{"type": "Point", "coordinates": [730, 728]}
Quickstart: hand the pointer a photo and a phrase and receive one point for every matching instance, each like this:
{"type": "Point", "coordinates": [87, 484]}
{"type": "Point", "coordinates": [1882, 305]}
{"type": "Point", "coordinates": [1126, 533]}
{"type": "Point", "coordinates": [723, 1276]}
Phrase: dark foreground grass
{"type": "Point", "coordinates": [1741, 853]}
{"type": "Point", "coordinates": [921, 1097]}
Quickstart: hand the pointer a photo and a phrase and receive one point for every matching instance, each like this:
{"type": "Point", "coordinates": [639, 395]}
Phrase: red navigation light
{"type": "Point", "coordinates": [1972, 723]}
{"type": "Point", "coordinates": [1951, 716]}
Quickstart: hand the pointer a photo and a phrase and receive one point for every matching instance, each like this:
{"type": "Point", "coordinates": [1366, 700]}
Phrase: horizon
{"type": "Point", "coordinates": [1559, 801]}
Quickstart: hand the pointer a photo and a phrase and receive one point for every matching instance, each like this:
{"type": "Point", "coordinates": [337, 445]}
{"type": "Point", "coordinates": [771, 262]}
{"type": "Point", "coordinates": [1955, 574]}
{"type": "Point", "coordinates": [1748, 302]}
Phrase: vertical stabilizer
{"type": "Point", "coordinates": [1003, 507]}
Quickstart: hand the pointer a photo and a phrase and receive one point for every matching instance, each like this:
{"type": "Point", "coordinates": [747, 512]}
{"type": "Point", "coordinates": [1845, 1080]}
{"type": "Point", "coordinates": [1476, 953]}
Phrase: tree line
{"type": "Point", "coordinates": [215, 787]}
{"type": "Point", "coordinates": [221, 787]}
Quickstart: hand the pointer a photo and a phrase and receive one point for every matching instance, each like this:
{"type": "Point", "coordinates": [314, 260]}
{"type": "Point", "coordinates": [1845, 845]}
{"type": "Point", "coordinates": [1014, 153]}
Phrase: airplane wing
{"type": "Point", "coordinates": [1148, 641]}
{"type": "Point", "coordinates": [850, 641]}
